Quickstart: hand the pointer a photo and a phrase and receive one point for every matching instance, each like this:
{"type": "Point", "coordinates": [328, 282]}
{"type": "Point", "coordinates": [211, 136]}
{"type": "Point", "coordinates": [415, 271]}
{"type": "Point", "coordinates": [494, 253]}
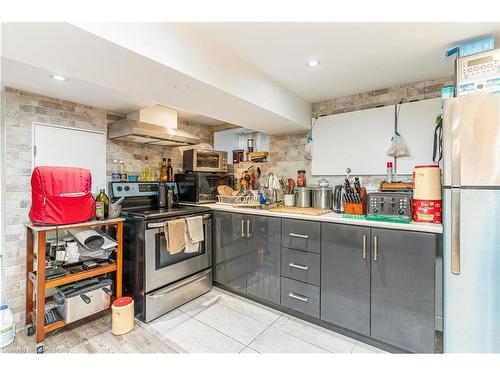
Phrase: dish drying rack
{"type": "Point", "coordinates": [239, 200]}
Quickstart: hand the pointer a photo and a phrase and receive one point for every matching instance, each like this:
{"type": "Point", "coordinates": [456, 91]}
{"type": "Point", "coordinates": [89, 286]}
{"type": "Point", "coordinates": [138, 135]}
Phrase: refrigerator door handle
{"type": "Point", "coordinates": [456, 150]}
{"type": "Point", "coordinates": [455, 231]}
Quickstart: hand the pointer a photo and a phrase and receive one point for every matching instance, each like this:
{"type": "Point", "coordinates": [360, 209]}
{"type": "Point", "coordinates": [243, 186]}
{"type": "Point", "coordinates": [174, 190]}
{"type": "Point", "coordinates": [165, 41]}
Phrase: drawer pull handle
{"type": "Point", "coordinates": [375, 248]}
{"type": "Point", "coordinates": [300, 267]}
{"type": "Point", "coordinates": [298, 296]}
{"type": "Point", "coordinates": [298, 235]}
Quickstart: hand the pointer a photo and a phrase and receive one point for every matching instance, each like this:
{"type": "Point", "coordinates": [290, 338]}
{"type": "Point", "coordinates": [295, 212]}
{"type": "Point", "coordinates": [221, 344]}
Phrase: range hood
{"type": "Point", "coordinates": [154, 126]}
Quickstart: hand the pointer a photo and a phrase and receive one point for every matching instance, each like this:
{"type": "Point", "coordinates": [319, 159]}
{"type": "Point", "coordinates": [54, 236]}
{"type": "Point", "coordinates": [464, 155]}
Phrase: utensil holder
{"type": "Point", "coordinates": [357, 208]}
{"type": "Point", "coordinates": [289, 200]}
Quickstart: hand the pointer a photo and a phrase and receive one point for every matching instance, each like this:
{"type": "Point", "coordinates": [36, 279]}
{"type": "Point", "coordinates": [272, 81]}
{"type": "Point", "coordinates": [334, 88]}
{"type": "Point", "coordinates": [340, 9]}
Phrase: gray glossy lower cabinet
{"type": "Point", "coordinates": [345, 276]}
{"type": "Point", "coordinates": [301, 297]}
{"type": "Point", "coordinates": [301, 265]}
{"type": "Point", "coordinates": [230, 250]}
{"type": "Point", "coordinates": [247, 254]}
{"type": "Point", "coordinates": [264, 261]}
{"type": "Point", "coordinates": [402, 289]}
{"type": "Point", "coordinates": [379, 283]}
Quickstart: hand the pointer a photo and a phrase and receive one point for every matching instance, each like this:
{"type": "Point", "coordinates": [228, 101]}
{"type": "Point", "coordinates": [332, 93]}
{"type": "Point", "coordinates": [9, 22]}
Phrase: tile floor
{"type": "Point", "coordinates": [221, 322]}
{"type": "Point", "coordinates": [217, 322]}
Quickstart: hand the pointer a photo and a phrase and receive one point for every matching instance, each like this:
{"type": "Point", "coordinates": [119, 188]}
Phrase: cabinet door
{"type": "Point", "coordinates": [402, 308]}
{"type": "Point", "coordinates": [230, 250]}
{"type": "Point", "coordinates": [264, 257]}
{"type": "Point", "coordinates": [345, 276]}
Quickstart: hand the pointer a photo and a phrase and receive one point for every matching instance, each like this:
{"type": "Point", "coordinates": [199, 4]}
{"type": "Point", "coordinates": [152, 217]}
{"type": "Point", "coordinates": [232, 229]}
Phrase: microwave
{"type": "Point", "coordinates": [199, 187]}
{"type": "Point", "coordinates": [204, 161]}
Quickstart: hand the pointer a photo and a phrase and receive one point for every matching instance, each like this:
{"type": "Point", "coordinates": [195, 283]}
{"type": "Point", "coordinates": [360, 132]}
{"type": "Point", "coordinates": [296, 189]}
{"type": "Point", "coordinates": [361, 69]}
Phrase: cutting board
{"type": "Point", "coordinates": [300, 210]}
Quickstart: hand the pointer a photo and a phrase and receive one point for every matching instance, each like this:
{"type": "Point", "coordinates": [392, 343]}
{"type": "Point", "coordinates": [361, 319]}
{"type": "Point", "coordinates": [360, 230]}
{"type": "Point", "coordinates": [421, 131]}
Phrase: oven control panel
{"type": "Point", "coordinates": [390, 204]}
{"type": "Point", "coordinates": [133, 189]}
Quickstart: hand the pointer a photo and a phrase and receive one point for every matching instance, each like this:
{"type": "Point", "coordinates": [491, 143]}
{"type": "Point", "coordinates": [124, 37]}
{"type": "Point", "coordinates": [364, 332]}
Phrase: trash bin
{"type": "Point", "coordinates": [122, 315]}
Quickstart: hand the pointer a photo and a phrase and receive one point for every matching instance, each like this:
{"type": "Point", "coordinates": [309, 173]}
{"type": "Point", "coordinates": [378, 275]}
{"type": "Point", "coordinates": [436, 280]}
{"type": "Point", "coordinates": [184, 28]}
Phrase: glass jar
{"type": "Point", "coordinates": [301, 178]}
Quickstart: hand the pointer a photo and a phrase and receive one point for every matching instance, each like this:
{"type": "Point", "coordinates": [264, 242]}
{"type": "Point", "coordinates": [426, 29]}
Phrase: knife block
{"type": "Point", "coordinates": [357, 208]}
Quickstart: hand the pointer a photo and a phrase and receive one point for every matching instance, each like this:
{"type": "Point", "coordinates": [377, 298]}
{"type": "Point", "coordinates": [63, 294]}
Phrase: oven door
{"type": "Point", "coordinates": [210, 161]}
{"type": "Point", "coordinates": [163, 268]}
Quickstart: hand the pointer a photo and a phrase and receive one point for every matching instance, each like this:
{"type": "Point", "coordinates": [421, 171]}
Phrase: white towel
{"type": "Point", "coordinates": [194, 228]}
{"type": "Point", "coordinates": [194, 234]}
{"type": "Point", "coordinates": [191, 247]}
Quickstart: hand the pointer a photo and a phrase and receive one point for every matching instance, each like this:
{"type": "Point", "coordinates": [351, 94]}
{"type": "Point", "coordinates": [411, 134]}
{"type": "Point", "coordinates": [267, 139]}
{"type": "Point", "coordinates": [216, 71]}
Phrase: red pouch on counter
{"type": "Point", "coordinates": [61, 195]}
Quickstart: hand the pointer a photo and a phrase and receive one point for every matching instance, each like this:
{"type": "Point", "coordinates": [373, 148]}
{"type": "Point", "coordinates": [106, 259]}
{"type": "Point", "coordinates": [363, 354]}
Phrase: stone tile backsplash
{"type": "Point", "coordinates": [20, 110]}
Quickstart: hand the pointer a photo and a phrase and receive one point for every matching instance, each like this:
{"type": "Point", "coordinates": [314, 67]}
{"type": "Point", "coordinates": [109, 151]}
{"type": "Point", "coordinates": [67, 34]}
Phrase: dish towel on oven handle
{"type": "Point", "coordinates": [176, 240]}
{"type": "Point", "coordinates": [194, 233]}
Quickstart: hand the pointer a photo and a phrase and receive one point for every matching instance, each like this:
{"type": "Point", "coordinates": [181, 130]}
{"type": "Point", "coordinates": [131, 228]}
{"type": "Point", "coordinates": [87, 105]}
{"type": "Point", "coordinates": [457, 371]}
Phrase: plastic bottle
{"type": "Point", "coordinates": [115, 172]}
{"type": "Point", "coordinates": [123, 172]}
{"type": "Point", "coordinates": [147, 174]}
{"type": "Point", "coordinates": [389, 172]}
{"type": "Point", "coordinates": [7, 326]}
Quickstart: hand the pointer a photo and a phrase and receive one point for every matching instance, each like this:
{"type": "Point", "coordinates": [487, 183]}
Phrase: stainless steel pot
{"type": "Point", "coordinates": [322, 197]}
{"type": "Point", "coordinates": [303, 197]}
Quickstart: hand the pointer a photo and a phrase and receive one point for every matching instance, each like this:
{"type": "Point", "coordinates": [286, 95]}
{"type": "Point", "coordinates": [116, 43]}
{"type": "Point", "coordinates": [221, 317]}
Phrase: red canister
{"type": "Point", "coordinates": [427, 201]}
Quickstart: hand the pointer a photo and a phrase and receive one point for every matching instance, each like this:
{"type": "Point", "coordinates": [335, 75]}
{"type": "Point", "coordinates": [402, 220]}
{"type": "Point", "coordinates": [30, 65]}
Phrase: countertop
{"type": "Point", "coordinates": [331, 218]}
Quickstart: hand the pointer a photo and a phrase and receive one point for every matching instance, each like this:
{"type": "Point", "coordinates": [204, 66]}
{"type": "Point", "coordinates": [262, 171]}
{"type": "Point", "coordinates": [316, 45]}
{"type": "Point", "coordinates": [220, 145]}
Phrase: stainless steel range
{"type": "Point", "coordinates": [157, 280]}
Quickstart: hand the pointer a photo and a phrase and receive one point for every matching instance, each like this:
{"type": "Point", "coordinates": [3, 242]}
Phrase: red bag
{"type": "Point", "coordinates": [61, 195]}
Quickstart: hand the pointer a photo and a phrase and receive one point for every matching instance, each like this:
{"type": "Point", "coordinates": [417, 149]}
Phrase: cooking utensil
{"type": "Point", "coordinates": [225, 190]}
{"type": "Point", "coordinates": [291, 186]}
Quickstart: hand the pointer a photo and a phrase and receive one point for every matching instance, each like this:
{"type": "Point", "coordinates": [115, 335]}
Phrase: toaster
{"type": "Point", "coordinates": [390, 206]}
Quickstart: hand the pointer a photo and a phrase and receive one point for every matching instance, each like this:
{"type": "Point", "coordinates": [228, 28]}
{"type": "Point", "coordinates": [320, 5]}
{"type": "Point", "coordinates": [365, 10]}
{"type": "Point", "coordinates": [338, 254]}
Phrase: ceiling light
{"type": "Point", "coordinates": [312, 63]}
{"type": "Point", "coordinates": [182, 86]}
{"type": "Point", "coordinates": [58, 77]}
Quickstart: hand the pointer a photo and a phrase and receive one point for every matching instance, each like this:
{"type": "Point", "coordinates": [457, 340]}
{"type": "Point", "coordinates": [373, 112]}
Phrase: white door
{"type": "Point", "coordinates": [71, 147]}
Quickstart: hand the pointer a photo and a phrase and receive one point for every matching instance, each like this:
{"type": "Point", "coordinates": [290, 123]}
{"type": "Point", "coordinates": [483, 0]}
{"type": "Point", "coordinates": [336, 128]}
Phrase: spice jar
{"type": "Point", "coordinates": [301, 178]}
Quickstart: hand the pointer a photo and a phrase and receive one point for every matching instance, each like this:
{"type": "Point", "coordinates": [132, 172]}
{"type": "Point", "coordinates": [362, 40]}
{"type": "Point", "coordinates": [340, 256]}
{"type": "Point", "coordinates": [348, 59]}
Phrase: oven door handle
{"type": "Point", "coordinates": [179, 285]}
{"type": "Point", "coordinates": [165, 223]}
{"type": "Point", "coordinates": [158, 225]}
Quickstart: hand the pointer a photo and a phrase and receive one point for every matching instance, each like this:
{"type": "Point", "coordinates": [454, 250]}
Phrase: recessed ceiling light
{"type": "Point", "coordinates": [312, 63]}
{"type": "Point", "coordinates": [58, 77]}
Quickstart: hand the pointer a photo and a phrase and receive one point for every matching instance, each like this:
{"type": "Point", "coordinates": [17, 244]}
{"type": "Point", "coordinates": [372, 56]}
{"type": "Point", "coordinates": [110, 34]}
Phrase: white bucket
{"type": "Point", "coordinates": [7, 326]}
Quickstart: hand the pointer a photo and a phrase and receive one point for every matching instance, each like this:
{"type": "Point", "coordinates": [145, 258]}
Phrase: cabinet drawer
{"type": "Point", "coordinates": [300, 265]}
{"type": "Point", "coordinates": [300, 235]}
{"type": "Point", "coordinates": [300, 296]}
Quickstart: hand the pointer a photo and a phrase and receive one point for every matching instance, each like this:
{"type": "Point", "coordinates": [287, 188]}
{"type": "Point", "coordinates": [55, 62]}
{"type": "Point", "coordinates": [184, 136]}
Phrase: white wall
{"type": "Point", "coordinates": [235, 139]}
{"type": "Point", "coordinates": [226, 141]}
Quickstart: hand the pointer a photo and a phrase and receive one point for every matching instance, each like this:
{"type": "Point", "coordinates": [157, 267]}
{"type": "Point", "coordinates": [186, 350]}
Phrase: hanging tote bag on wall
{"type": "Point", "coordinates": [61, 195]}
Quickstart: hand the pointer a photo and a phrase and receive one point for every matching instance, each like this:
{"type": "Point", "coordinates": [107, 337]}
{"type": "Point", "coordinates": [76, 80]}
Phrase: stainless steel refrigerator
{"type": "Point", "coordinates": [471, 219]}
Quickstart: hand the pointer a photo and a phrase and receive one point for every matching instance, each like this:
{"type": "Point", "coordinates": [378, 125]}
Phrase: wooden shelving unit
{"type": "Point", "coordinates": [35, 280]}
